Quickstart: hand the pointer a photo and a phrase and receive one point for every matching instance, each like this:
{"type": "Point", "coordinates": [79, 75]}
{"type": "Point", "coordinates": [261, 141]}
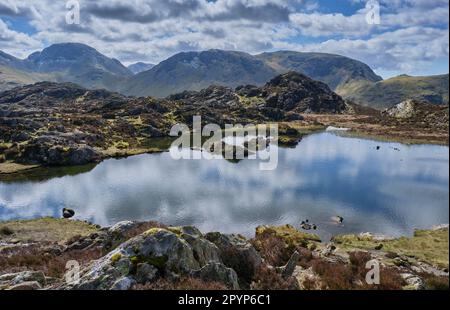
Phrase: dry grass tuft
{"type": "Point", "coordinates": [181, 285]}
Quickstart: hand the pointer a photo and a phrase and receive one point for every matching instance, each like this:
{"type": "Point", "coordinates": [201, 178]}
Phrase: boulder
{"type": "Point", "coordinates": [26, 276]}
{"type": "Point", "coordinates": [204, 251]}
{"type": "Point", "coordinates": [169, 253]}
{"type": "Point", "coordinates": [287, 270]}
{"type": "Point", "coordinates": [145, 273]}
{"type": "Point", "coordinates": [217, 272]}
{"type": "Point", "coordinates": [68, 213]}
{"type": "Point", "coordinates": [123, 284]}
{"type": "Point", "coordinates": [26, 286]}
{"type": "Point", "coordinates": [238, 253]}
{"type": "Point", "coordinates": [413, 282]}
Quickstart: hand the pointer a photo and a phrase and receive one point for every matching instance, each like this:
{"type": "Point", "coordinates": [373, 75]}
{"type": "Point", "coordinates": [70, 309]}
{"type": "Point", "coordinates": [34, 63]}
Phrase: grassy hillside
{"type": "Point", "coordinates": [10, 78]}
{"type": "Point", "coordinates": [199, 70]}
{"type": "Point", "coordinates": [386, 94]}
{"type": "Point", "coordinates": [333, 70]}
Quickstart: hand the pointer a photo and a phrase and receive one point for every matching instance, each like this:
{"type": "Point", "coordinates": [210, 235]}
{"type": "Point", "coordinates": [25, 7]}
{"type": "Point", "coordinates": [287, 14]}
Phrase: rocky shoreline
{"type": "Point", "coordinates": [34, 254]}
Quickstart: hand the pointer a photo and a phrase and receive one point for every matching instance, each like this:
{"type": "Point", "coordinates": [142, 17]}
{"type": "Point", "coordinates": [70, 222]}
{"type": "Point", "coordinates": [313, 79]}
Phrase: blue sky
{"type": "Point", "coordinates": [412, 36]}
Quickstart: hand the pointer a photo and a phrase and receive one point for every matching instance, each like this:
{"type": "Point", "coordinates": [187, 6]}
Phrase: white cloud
{"type": "Point", "coordinates": [15, 42]}
{"type": "Point", "coordinates": [152, 30]}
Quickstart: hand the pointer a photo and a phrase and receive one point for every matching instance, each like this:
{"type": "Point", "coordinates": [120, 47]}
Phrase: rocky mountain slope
{"type": "Point", "coordinates": [11, 77]}
{"type": "Point", "coordinates": [65, 124]}
{"type": "Point", "coordinates": [385, 94]}
{"type": "Point", "coordinates": [333, 70]}
{"type": "Point", "coordinates": [199, 70]}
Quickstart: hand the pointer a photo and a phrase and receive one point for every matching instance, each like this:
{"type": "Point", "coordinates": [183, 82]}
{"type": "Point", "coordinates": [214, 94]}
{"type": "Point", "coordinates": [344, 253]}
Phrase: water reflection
{"type": "Point", "coordinates": [385, 191]}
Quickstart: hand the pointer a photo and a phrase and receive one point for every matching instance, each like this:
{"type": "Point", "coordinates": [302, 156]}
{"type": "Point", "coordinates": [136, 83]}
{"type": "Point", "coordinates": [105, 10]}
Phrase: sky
{"type": "Point", "coordinates": [392, 36]}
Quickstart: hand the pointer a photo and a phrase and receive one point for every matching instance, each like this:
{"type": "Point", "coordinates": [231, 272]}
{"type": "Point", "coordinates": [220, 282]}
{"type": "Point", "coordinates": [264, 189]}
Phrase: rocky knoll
{"type": "Point", "coordinates": [420, 113]}
{"type": "Point", "coordinates": [148, 255]}
{"type": "Point", "coordinates": [298, 93]}
{"type": "Point", "coordinates": [65, 124]}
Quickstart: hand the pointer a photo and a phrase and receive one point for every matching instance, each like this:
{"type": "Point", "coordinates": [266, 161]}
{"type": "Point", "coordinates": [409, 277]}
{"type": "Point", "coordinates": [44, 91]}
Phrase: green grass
{"type": "Point", "coordinates": [385, 94]}
{"type": "Point", "coordinates": [430, 246]}
{"type": "Point", "coordinates": [47, 229]}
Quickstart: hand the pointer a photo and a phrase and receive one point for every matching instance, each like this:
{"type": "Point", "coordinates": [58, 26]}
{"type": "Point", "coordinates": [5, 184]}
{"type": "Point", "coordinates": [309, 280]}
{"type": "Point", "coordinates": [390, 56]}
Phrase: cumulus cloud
{"type": "Point", "coordinates": [152, 30]}
{"type": "Point", "coordinates": [15, 41]}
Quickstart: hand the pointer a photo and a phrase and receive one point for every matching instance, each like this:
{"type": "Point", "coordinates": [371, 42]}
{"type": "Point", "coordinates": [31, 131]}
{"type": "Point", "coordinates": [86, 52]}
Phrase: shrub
{"type": "Point", "coordinates": [435, 283]}
{"type": "Point", "coordinates": [334, 276]}
{"type": "Point", "coordinates": [37, 259]}
{"type": "Point", "coordinates": [341, 276]}
{"type": "Point", "coordinates": [6, 231]}
{"type": "Point", "coordinates": [183, 284]}
{"type": "Point", "coordinates": [273, 249]}
{"type": "Point", "coordinates": [268, 279]}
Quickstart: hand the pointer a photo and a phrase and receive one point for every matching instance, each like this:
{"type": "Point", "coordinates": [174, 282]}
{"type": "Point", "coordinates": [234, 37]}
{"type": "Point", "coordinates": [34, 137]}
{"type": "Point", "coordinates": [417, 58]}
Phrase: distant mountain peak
{"type": "Point", "coordinates": [139, 67]}
{"type": "Point", "coordinates": [66, 51]}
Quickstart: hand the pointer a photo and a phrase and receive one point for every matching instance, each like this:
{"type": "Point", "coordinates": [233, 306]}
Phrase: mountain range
{"type": "Point", "coordinates": [68, 62]}
{"type": "Point", "coordinates": [193, 71]}
{"type": "Point", "coordinates": [383, 94]}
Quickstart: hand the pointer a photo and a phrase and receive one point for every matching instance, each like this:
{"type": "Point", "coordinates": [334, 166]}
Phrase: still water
{"type": "Point", "coordinates": [389, 191]}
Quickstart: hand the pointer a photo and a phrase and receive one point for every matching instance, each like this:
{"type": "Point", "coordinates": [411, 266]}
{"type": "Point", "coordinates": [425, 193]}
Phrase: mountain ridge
{"type": "Point", "coordinates": [387, 93]}
{"type": "Point", "coordinates": [71, 62]}
{"type": "Point", "coordinates": [197, 70]}
{"type": "Point", "coordinates": [332, 69]}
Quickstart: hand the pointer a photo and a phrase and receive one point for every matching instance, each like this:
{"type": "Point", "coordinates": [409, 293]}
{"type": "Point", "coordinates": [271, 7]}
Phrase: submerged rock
{"type": "Point", "coordinates": [68, 213]}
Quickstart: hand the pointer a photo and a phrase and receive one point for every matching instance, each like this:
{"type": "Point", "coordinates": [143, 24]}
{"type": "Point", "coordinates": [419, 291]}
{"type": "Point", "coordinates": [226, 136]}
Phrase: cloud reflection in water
{"type": "Point", "coordinates": [387, 191]}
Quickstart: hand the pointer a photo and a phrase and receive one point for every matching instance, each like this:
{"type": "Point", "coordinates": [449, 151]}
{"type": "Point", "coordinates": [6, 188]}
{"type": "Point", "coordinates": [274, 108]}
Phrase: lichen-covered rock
{"type": "Point", "coordinates": [123, 284]}
{"type": "Point", "coordinates": [217, 272]}
{"type": "Point", "coordinates": [145, 273]}
{"type": "Point", "coordinates": [287, 270]}
{"type": "Point", "coordinates": [413, 282]}
{"type": "Point", "coordinates": [170, 253]}
{"type": "Point", "coordinates": [121, 227]}
{"type": "Point", "coordinates": [237, 253]}
{"type": "Point", "coordinates": [13, 279]}
{"type": "Point", "coordinates": [204, 251]}
{"type": "Point", "coordinates": [26, 286]}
